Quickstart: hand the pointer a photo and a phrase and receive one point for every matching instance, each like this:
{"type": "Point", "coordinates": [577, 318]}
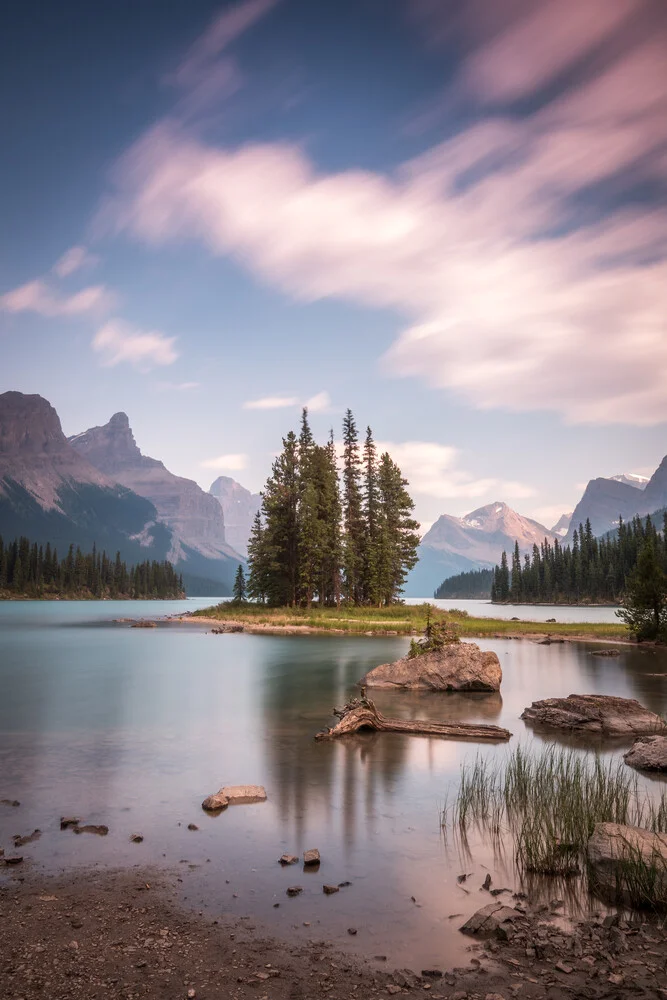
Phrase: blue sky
{"type": "Point", "coordinates": [449, 217]}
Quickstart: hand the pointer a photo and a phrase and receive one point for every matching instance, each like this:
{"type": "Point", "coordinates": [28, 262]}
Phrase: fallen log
{"type": "Point", "coordinates": [361, 713]}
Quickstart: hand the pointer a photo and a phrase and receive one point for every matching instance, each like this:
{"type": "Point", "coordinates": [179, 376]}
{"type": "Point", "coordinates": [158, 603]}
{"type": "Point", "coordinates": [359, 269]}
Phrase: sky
{"type": "Point", "coordinates": [450, 217]}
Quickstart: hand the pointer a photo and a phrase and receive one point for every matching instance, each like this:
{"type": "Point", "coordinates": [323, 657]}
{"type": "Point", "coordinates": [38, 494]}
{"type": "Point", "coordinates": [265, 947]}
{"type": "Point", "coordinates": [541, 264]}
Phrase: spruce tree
{"type": "Point", "coordinates": [645, 607]}
{"type": "Point", "coordinates": [369, 581]}
{"type": "Point", "coordinates": [239, 589]}
{"type": "Point", "coordinates": [354, 537]}
{"type": "Point", "coordinates": [397, 533]}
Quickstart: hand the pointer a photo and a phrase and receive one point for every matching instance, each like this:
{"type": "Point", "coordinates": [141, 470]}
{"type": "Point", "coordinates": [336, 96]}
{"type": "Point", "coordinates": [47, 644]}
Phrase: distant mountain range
{"type": "Point", "coordinates": [456, 544]}
{"type": "Point", "coordinates": [98, 488]}
{"type": "Point", "coordinates": [239, 507]}
{"type": "Point", "coordinates": [604, 500]}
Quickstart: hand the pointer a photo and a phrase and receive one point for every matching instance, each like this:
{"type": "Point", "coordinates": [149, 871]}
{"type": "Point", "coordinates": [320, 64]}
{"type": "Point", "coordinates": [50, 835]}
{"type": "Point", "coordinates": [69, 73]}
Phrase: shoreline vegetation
{"type": "Point", "coordinates": [398, 619]}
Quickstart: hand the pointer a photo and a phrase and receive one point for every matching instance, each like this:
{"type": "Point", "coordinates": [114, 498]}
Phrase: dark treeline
{"type": "Point", "coordinates": [590, 570]}
{"type": "Point", "coordinates": [473, 585]}
{"type": "Point", "coordinates": [317, 541]}
{"type": "Point", "coordinates": [32, 570]}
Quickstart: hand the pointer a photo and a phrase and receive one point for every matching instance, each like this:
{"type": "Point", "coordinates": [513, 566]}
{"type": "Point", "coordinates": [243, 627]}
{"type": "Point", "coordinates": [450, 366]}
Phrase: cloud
{"type": "Point", "coordinates": [432, 470]}
{"type": "Point", "coordinates": [528, 272]}
{"type": "Point", "coordinates": [73, 260]}
{"type": "Point", "coordinates": [177, 386]}
{"type": "Point", "coordinates": [206, 75]}
{"type": "Point", "coordinates": [233, 463]}
{"type": "Point", "coordinates": [271, 403]}
{"type": "Point", "coordinates": [319, 403]}
{"type": "Point", "coordinates": [119, 342]}
{"type": "Point", "coordinates": [551, 513]}
{"type": "Point", "coordinates": [38, 297]}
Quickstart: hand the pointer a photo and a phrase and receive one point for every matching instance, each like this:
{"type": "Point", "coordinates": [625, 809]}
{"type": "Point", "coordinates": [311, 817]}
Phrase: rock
{"type": "Point", "coordinates": [549, 639]}
{"type": "Point", "coordinates": [352, 931]}
{"type": "Point", "coordinates": [606, 652]}
{"type": "Point", "coordinates": [329, 890]}
{"type": "Point", "coordinates": [66, 821]}
{"type": "Point", "coordinates": [649, 753]}
{"type": "Point", "coordinates": [214, 803]}
{"type": "Point", "coordinates": [192, 826]}
{"type": "Point", "coordinates": [243, 794]}
{"type": "Point", "coordinates": [343, 885]}
{"type": "Point", "coordinates": [461, 666]}
{"type": "Point", "coordinates": [487, 883]}
{"type": "Point", "coordinates": [311, 857]}
{"type": "Point", "coordinates": [288, 859]}
{"type": "Point", "coordinates": [10, 802]}
{"type": "Point", "coordinates": [393, 988]}
{"type": "Point", "coordinates": [144, 624]}
{"type": "Point", "coordinates": [100, 830]}
{"type": "Point", "coordinates": [432, 973]}
{"type": "Point", "coordinates": [27, 839]}
{"type": "Point", "coordinates": [562, 967]}
{"type": "Point", "coordinates": [136, 838]}
{"type": "Point", "coordinates": [612, 846]}
{"type": "Point", "coordinates": [550, 621]}
{"type": "Point", "coordinates": [490, 919]}
{"type": "Point", "coordinates": [595, 713]}
{"type": "Point", "coordinates": [294, 890]}
{"type": "Point", "coordinates": [13, 859]}
{"type": "Point", "coordinates": [225, 629]}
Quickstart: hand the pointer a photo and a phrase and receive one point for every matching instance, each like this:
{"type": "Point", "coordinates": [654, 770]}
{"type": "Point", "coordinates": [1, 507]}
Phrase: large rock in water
{"type": "Point", "coordinates": [595, 713]}
{"type": "Point", "coordinates": [649, 753]}
{"type": "Point", "coordinates": [461, 666]}
{"type": "Point", "coordinates": [615, 853]}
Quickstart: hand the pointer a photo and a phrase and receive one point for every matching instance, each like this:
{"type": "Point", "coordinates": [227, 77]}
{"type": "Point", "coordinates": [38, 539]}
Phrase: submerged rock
{"type": "Point", "coordinates": [243, 794]}
{"type": "Point", "coordinates": [288, 859]}
{"type": "Point", "coordinates": [606, 652]}
{"type": "Point", "coordinates": [595, 713]}
{"type": "Point", "coordinates": [649, 753]}
{"type": "Point", "coordinates": [460, 666]}
{"type": "Point", "coordinates": [616, 854]}
{"type": "Point", "coordinates": [100, 829]}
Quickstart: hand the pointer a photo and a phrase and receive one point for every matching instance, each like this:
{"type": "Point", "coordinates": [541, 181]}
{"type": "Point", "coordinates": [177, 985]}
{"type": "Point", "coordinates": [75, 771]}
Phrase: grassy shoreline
{"type": "Point", "coordinates": [400, 619]}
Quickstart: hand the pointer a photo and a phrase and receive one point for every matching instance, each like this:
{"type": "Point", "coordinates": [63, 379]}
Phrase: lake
{"type": "Point", "coordinates": [133, 728]}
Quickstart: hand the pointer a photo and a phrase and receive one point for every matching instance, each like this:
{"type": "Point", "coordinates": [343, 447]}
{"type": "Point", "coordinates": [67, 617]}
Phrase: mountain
{"type": "Point", "coordinates": [195, 519]}
{"type": "Point", "coordinates": [562, 525]}
{"type": "Point", "coordinates": [631, 479]}
{"type": "Point", "coordinates": [49, 492]}
{"type": "Point", "coordinates": [456, 544]}
{"type": "Point", "coordinates": [239, 507]}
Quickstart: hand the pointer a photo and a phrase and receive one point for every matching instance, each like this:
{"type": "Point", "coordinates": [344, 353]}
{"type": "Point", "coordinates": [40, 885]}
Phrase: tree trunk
{"type": "Point", "coordinates": [361, 713]}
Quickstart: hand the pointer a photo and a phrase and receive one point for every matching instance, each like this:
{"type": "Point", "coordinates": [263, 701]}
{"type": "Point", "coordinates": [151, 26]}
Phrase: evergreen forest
{"type": "Point", "coordinates": [475, 584]}
{"type": "Point", "coordinates": [31, 570]}
{"type": "Point", "coordinates": [595, 570]}
{"type": "Point", "coordinates": [329, 539]}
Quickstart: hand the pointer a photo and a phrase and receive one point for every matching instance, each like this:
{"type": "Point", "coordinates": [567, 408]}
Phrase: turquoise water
{"type": "Point", "coordinates": [132, 728]}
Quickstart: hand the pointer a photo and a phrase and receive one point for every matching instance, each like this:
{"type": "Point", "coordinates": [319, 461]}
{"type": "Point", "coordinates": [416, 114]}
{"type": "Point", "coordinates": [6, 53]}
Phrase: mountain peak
{"type": "Point", "coordinates": [110, 447]}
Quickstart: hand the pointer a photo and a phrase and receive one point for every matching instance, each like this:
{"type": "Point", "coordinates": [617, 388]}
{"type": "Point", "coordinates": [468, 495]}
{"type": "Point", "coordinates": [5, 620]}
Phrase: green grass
{"type": "Point", "coordinates": [403, 619]}
{"type": "Point", "coordinates": [549, 803]}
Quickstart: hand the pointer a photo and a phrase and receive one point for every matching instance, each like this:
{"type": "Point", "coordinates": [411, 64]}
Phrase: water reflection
{"type": "Point", "coordinates": [133, 728]}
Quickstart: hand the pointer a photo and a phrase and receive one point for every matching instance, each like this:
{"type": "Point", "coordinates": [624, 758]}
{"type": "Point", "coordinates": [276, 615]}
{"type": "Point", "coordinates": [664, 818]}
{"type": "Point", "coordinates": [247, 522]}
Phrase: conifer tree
{"type": "Point", "coordinates": [397, 537]}
{"type": "Point", "coordinates": [239, 589]}
{"type": "Point", "coordinates": [354, 538]}
{"type": "Point", "coordinates": [645, 607]}
{"type": "Point", "coordinates": [369, 582]}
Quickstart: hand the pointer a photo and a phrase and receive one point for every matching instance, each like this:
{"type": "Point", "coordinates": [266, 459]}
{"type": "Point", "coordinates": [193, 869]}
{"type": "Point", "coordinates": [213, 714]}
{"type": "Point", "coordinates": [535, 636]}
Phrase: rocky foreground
{"type": "Point", "coordinates": [121, 935]}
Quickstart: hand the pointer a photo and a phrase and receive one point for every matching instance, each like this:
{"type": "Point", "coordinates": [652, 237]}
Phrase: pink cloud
{"type": "Point", "coordinates": [36, 296]}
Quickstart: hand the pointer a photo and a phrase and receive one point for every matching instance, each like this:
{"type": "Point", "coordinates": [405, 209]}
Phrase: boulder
{"type": "Point", "coordinates": [595, 713]}
{"type": "Point", "coordinates": [649, 753]}
{"type": "Point", "coordinates": [243, 794]}
{"type": "Point", "coordinates": [460, 666]}
{"type": "Point", "coordinates": [613, 853]}
{"type": "Point", "coordinates": [311, 857]}
{"type": "Point", "coordinates": [213, 803]}
{"type": "Point", "coordinates": [490, 919]}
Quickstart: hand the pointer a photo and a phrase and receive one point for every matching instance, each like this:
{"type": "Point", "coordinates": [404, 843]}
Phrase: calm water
{"type": "Point", "coordinates": [526, 612]}
{"type": "Point", "coordinates": [132, 728]}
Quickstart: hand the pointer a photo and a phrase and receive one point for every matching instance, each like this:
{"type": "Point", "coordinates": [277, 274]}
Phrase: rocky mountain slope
{"type": "Point", "coordinates": [456, 544]}
{"type": "Point", "coordinates": [605, 500]}
{"type": "Point", "coordinates": [49, 492]}
{"type": "Point", "coordinates": [239, 507]}
{"type": "Point", "coordinates": [562, 525]}
{"type": "Point", "coordinates": [195, 519]}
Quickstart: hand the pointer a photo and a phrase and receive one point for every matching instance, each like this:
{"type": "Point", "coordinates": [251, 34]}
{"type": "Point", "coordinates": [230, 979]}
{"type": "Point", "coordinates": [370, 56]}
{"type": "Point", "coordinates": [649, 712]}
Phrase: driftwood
{"type": "Point", "coordinates": [361, 713]}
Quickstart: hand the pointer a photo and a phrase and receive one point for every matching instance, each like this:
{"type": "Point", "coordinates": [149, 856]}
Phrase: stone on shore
{"type": "Point", "coordinates": [649, 753]}
{"type": "Point", "coordinates": [613, 846]}
{"type": "Point", "coordinates": [595, 713]}
{"type": "Point", "coordinates": [460, 666]}
{"type": "Point", "coordinates": [490, 919]}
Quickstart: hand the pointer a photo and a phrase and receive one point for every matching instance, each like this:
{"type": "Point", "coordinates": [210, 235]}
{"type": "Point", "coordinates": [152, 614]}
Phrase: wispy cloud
{"type": "Point", "coordinates": [178, 386]}
{"type": "Point", "coordinates": [523, 284]}
{"type": "Point", "coordinates": [232, 463]}
{"type": "Point", "coordinates": [271, 403]}
{"type": "Point", "coordinates": [38, 297]}
{"type": "Point", "coordinates": [118, 342]}
{"type": "Point", "coordinates": [433, 470]}
{"type": "Point", "coordinates": [319, 403]}
{"type": "Point", "coordinates": [207, 74]}
{"type": "Point", "coordinates": [73, 260]}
